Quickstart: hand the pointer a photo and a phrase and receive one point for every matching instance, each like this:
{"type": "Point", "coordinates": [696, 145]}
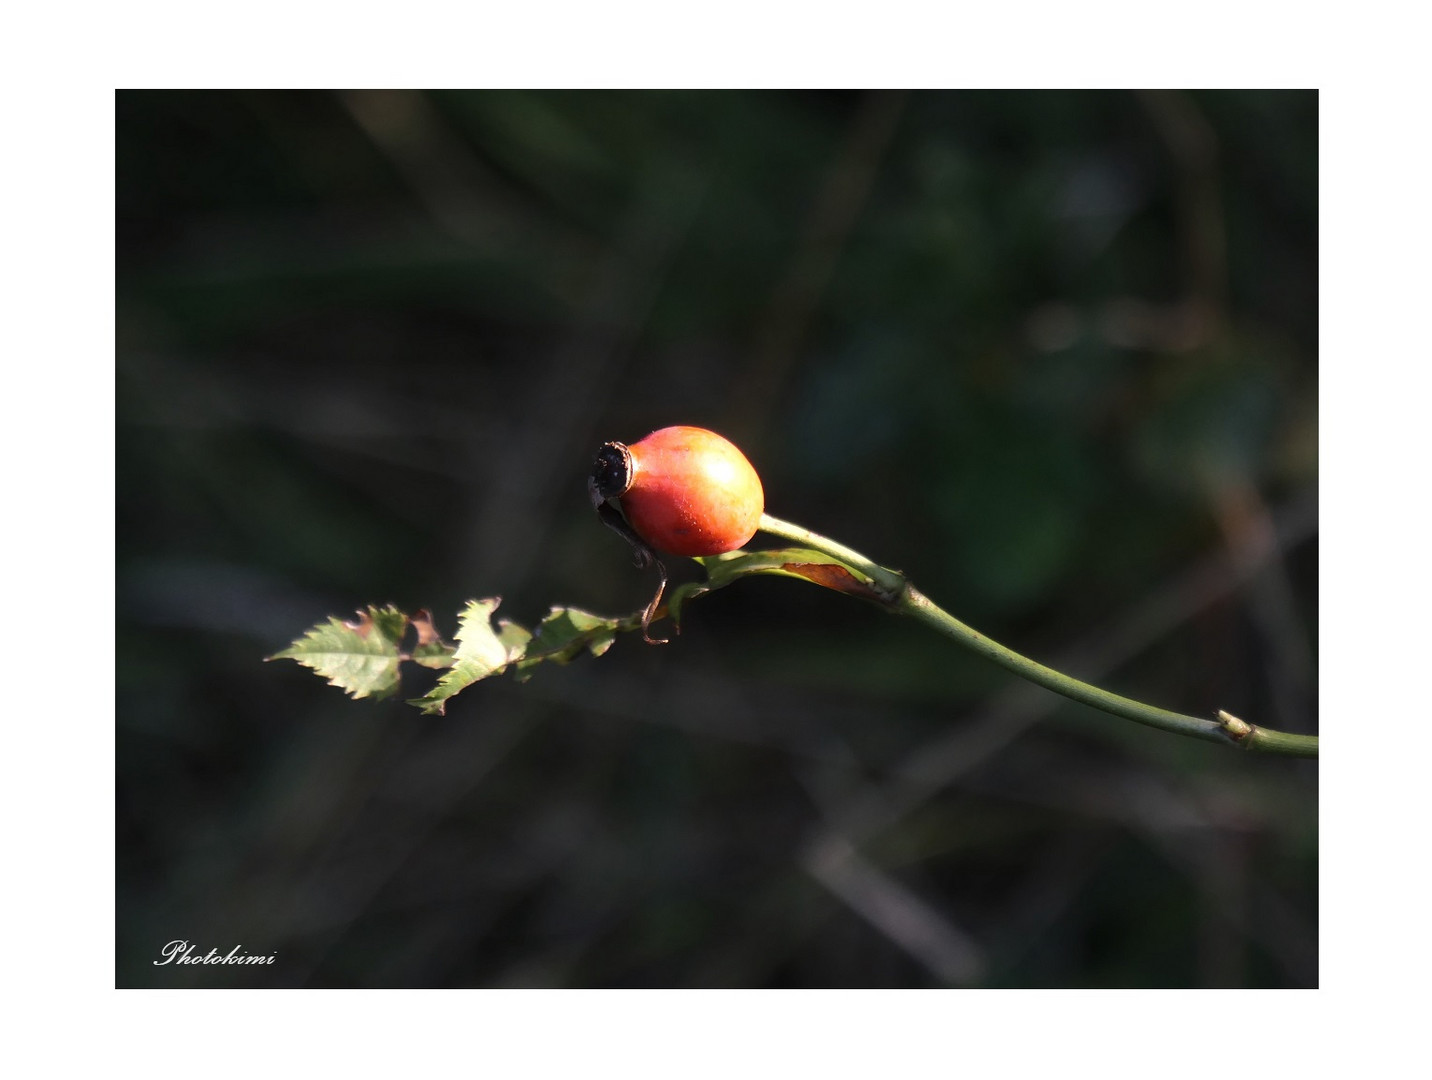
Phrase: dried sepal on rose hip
{"type": "Point", "coordinates": [679, 491]}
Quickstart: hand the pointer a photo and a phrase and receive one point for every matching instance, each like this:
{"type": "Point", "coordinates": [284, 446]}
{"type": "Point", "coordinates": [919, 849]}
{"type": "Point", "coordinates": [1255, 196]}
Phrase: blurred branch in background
{"type": "Point", "coordinates": [844, 188]}
{"type": "Point", "coordinates": [330, 877]}
{"type": "Point", "coordinates": [1194, 146]}
{"type": "Point", "coordinates": [1253, 542]}
{"type": "Point", "coordinates": [531, 475]}
{"type": "Point", "coordinates": [459, 192]}
{"type": "Point", "coordinates": [525, 475]}
{"type": "Point", "coordinates": [928, 936]}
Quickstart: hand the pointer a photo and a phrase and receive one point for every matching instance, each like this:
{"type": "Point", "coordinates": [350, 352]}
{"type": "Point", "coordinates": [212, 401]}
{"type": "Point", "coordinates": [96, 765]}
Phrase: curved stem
{"type": "Point", "coordinates": [904, 598]}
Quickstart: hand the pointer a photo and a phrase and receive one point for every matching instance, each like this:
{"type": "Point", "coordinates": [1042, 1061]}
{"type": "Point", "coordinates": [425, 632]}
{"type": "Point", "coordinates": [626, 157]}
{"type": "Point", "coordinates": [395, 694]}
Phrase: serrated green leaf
{"type": "Point", "coordinates": [480, 653]}
{"type": "Point", "coordinates": [437, 655]}
{"type": "Point", "coordinates": [387, 620]}
{"type": "Point", "coordinates": [359, 657]}
{"type": "Point", "coordinates": [563, 635]}
{"type": "Point", "coordinates": [514, 637]}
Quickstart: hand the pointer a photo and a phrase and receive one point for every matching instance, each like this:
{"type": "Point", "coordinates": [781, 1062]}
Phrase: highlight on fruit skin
{"type": "Point", "coordinates": [682, 491]}
{"type": "Point", "coordinates": [688, 491]}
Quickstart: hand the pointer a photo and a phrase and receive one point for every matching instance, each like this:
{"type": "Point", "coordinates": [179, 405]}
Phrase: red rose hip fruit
{"type": "Point", "coordinates": [683, 490]}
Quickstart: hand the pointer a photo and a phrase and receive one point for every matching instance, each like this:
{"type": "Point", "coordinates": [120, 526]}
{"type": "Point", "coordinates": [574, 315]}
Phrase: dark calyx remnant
{"type": "Point", "coordinates": [610, 479]}
{"type": "Point", "coordinates": [611, 473]}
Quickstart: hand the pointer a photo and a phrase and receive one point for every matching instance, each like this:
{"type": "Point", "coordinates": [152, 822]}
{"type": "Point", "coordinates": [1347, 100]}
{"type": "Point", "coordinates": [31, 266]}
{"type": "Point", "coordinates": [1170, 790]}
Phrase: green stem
{"type": "Point", "coordinates": [904, 598]}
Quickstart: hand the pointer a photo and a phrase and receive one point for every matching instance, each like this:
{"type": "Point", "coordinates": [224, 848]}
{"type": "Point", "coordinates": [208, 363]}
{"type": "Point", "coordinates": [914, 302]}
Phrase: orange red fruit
{"type": "Point", "coordinates": [683, 490]}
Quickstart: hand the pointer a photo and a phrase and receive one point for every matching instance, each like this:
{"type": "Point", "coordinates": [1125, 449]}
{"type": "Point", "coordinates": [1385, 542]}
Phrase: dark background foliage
{"type": "Point", "coordinates": [1053, 354]}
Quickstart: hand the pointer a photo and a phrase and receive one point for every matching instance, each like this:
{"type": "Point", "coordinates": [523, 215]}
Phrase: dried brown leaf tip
{"type": "Point", "coordinates": [364, 626]}
{"type": "Point", "coordinates": [834, 577]}
{"type": "Point", "coordinates": [427, 632]}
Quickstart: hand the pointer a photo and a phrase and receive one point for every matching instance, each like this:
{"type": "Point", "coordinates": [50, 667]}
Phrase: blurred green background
{"type": "Point", "coordinates": [1053, 354]}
